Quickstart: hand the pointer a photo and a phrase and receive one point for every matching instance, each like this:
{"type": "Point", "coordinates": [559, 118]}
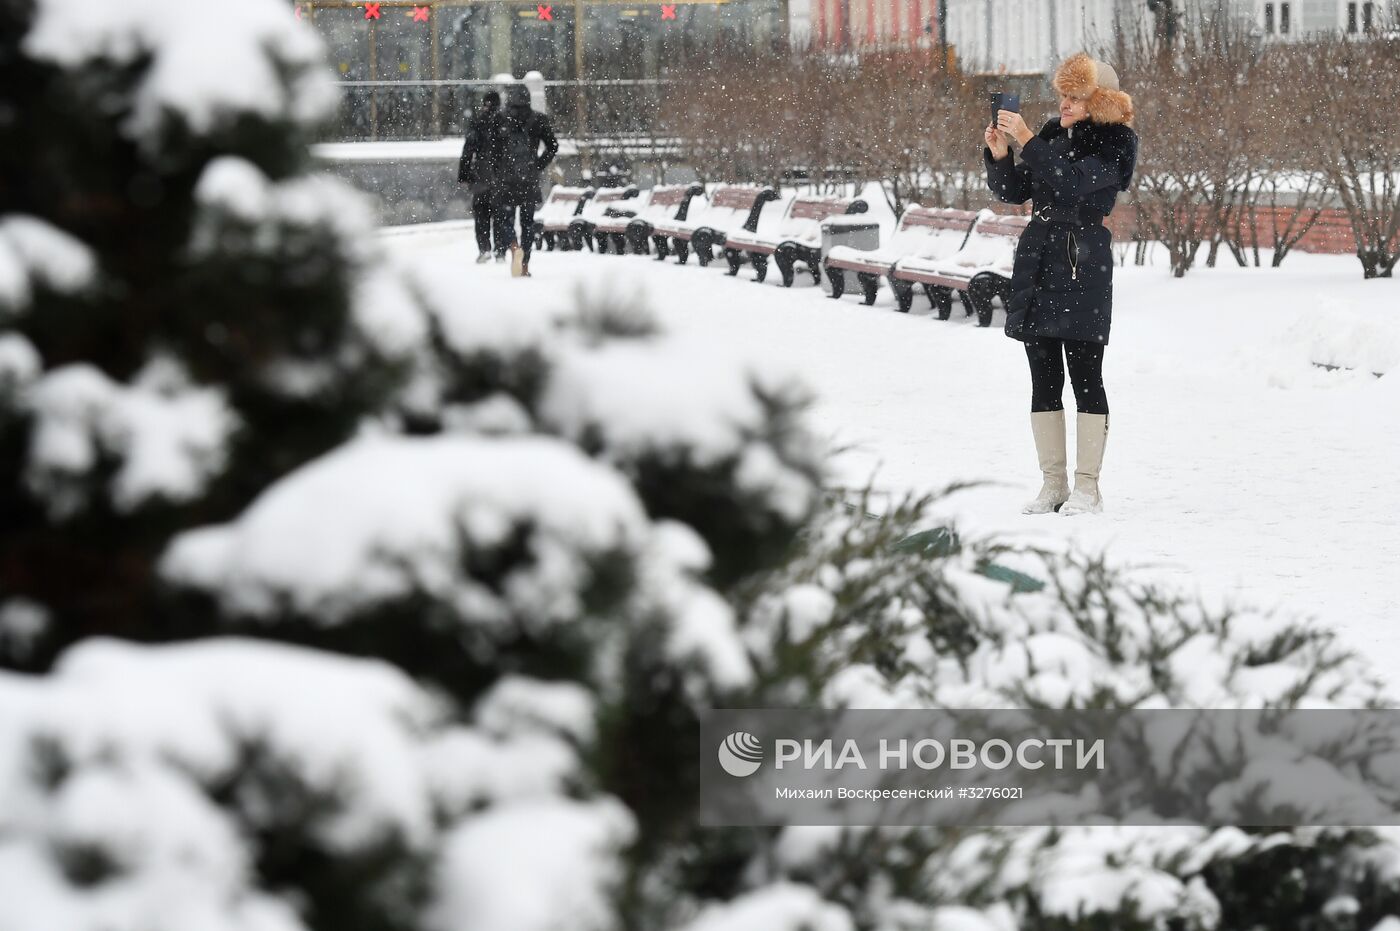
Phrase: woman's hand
{"type": "Point", "coordinates": [996, 142]}
{"type": "Point", "coordinates": [1011, 123]}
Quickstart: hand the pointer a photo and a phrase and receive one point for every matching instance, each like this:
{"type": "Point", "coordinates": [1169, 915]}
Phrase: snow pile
{"type": "Point", "coordinates": [646, 397]}
{"type": "Point", "coordinates": [208, 67]}
{"type": "Point", "coordinates": [134, 780]}
{"type": "Point", "coordinates": [658, 405]}
{"type": "Point", "coordinates": [36, 254]}
{"type": "Point", "coordinates": [473, 329]}
{"type": "Point", "coordinates": [168, 437]}
{"type": "Point", "coordinates": [388, 314]}
{"type": "Point", "coordinates": [485, 361]}
{"type": "Point", "coordinates": [244, 212]}
{"type": "Point", "coordinates": [294, 230]}
{"type": "Point", "coordinates": [534, 866]}
{"type": "Point", "coordinates": [712, 443]}
{"type": "Point", "coordinates": [1340, 333]}
{"type": "Point", "coordinates": [506, 536]}
{"type": "Point", "coordinates": [700, 624]}
{"type": "Point", "coordinates": [19, 367]}
{"type": "Point", "coordinates": [22, 623]}
{"type": "Point", "coordinates": [778, 907]}
{"type": "Point", "coordinates": [336, 538]}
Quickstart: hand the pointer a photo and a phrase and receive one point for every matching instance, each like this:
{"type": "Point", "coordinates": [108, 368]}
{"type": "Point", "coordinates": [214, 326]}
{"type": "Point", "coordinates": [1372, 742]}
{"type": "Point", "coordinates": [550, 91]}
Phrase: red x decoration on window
{"type": "Point", "coordinates": [668, 11]}
{"type": "Point", "coordinates": [420, 14]}
{"type": "Point", "coordinates": [545, 12]}
{"type": "Point", "coordinates": [371, 11]}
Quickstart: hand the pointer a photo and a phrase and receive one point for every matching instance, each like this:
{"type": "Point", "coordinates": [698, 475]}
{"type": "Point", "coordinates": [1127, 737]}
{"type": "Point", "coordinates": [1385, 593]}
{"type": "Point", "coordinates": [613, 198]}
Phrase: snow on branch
{"type": "Point", "coordinates": [210, 63]}
{"type": "Point", "coordinates": [385, 518]}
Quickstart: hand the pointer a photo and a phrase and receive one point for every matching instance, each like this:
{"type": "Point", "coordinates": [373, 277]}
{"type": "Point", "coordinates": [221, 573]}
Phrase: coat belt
{"type": "Point", "coordinates": [1076, 215]}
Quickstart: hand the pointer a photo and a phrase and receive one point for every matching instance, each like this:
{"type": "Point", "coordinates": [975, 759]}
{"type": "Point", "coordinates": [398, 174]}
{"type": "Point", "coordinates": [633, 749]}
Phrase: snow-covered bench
{"type": "Point", "coordinates": [798, 238]}
{"type": "Point", "coordinates": [611, 227]}
{"type": "Point", "coordinates": [557, 212]}
{"type": "Point", "coordinates": [931, 233]}
{"type": "Point", "coordinates": [979, 271]}
{"type": "Point", "coordinates": [597, 208]}
{"type": "Point", "coordinates": [669, 203]}
{"type": "Point", "coordinates": [729, 209]}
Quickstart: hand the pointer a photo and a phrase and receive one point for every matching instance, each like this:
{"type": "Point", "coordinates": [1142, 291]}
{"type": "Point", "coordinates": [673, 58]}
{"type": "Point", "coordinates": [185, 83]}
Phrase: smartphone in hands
{"type": "Point", "coordinates": [1001, 100]}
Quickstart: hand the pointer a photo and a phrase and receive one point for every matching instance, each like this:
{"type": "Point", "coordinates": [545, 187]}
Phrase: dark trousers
{"type": "Point", "coordinates": [481, 216]}
{"type": "Point", "coordinates": [1049, 358]}
{"type": "Point", "coordinates": [505, 216]}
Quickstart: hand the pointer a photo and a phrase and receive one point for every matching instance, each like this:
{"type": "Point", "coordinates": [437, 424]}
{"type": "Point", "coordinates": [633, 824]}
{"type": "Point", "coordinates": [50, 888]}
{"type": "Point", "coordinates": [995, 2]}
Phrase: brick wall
{"type": "Point", "coordinates": [1330, 235]}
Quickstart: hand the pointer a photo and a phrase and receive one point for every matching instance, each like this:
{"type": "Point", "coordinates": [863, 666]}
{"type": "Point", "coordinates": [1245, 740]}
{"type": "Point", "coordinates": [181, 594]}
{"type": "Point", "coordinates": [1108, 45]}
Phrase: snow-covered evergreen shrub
{"type": "Point", "coordinates": [432, 592]}
{"type": "Point", "coordinates": [179, 281]}
{"type": "Point", "coordinates": [717, 448]}
{"type": "Point", "coordinates": [861, 622]}
{"type": "Point", "coordinates": [222, 411]}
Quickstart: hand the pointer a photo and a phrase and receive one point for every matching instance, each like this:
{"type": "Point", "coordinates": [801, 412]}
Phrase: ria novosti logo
{"type": "Point", "coordinates": [740, 754]}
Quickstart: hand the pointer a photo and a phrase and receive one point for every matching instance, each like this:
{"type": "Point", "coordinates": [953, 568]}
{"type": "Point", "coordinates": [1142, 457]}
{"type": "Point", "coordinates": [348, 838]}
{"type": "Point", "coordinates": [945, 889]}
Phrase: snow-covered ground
{"type": "Point", "coordinates": [1235, 465]}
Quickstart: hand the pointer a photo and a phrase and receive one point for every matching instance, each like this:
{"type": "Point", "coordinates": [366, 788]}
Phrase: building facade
{"type": "Point", "coordinates": [1028, 37]}
{"type": "Point", "coordinates": [474, 39]}
{"type": "Point", "coordinates": [412, 68]}
{"type": "Point", "coordinates": [868, 25]}
{"type": "Point", "coordinates": [1292, 19]}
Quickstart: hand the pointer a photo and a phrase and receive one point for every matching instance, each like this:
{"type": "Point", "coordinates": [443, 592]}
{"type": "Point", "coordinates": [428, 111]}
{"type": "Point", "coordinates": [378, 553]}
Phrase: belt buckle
{"type": "Point", "coordinates": [1037, 214]}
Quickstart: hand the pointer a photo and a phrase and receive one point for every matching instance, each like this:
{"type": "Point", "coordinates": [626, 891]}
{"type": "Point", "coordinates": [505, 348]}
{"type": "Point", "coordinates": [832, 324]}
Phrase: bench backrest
{"type": "Point", "coordinates": [597, 206]}
{"type": "Point", "coordinates": [734, 207]}
{"type": "Point", "coordinates": [559, 193]}
{"type": "Point", "coordinates": [669, 202]}
{"type": "Point", "coordinates": [563, 203]}
{"type": "Point", "coordinates": [1003, 226]}
{"type": "Point", "coordinates": [805, 214]}
{"type": "Point", "coordinates": [992, 241]}
{"type": "Point", "coordinates": [932, 232]}
{"type": "Point", "coordinates": [937, 218]}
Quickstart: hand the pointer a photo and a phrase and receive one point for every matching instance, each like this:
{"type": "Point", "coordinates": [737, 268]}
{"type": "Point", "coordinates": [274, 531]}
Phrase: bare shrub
{"type": "Point", "coordinates": [1191, 120]}
{"type": "Point", "coordinates": [1287, 190]}
{"type": "Point", "coordinates": [1358, 147]}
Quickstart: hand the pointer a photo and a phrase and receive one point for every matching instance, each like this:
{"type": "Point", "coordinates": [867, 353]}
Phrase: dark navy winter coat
{"type": "Point", "coordinates": [474, 167]}
{"type": "Point", "coordinates": [1062, 281]}
{"type": "Point", "coordinates": [515, 136]}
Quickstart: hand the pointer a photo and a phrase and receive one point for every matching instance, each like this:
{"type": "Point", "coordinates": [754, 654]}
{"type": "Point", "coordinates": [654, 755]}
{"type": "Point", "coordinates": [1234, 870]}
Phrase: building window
{"type": "Point", "coordinates": [1268, 19]}
{"type": "Point", "coordinates": [1367, 13]}
{"type": "Point", "coordinates": [1283, 18]}
{"type": "Point", "coordinates": [1351, 17]}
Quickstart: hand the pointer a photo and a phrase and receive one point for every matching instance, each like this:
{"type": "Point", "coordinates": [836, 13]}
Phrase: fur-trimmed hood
{"type": "Point", "coordinates": [1096, 83]}
{"type": "Point", "coordinates": [1115, 142]}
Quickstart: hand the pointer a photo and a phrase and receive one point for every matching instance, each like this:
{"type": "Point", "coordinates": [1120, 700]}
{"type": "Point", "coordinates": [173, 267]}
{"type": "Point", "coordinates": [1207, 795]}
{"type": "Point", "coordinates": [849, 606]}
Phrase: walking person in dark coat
{"type": "Point", "coordinates": [517, 134]}
{"type": "Point", "coordinates": [1061, 303]}
{"type": "Point", "coordinates": [475, 169]}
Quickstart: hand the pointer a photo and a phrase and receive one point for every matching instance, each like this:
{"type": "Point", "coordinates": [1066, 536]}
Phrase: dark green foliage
{"type": "Point", "coordinates": [376, 886]}
{"type": "Point", "coordinates": [1296, 886]}
{"type": "Point", "coordinates": [232, 313]}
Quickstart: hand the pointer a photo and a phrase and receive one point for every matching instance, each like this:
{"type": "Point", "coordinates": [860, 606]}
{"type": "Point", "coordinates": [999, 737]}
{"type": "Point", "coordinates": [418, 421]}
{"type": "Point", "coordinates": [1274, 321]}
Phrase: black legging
{"type": "Point", "coordinates": [505, 221]}
{"type": "Point", "coordinates": [1048, 357]}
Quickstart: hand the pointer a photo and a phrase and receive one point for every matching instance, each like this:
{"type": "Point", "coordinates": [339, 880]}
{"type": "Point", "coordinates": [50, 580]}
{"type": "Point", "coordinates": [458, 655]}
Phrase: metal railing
{"type": "Point", "coordinates": [415, 110]}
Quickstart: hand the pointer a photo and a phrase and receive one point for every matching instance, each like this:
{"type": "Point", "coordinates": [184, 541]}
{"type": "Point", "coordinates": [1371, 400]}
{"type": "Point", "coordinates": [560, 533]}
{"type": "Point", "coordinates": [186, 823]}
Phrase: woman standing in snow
{"type": "Point", "coordinates": [1062, 283]}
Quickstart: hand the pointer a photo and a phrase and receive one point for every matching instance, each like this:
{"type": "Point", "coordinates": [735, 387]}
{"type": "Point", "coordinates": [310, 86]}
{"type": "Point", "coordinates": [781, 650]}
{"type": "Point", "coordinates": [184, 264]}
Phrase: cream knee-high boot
{"type": "Point", "coordinates": [1048, 428]}
{"type": "Point", "coordinates": [1091, 435]}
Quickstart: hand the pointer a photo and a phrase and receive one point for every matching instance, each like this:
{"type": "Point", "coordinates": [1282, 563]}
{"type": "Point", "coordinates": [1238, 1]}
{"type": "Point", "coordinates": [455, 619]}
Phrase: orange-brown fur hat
{"type": "Point", "coordinates": [1096, 83]}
